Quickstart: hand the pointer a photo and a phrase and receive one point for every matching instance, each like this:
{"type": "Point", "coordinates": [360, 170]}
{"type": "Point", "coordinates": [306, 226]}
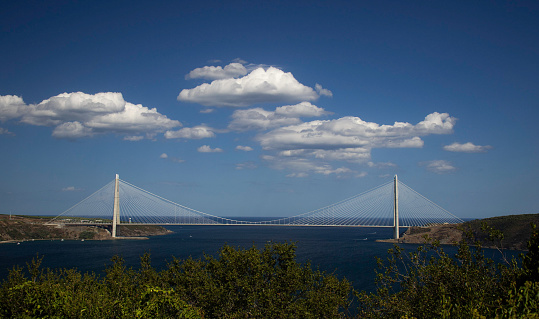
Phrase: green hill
{"type": "Point", "coordinates": [21, 227]}
{"type": "Point", "coordinates": [516, 229]}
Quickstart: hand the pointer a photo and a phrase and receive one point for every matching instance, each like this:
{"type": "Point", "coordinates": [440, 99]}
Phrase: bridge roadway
{"type": "Point", "coordinates": [240, 223]}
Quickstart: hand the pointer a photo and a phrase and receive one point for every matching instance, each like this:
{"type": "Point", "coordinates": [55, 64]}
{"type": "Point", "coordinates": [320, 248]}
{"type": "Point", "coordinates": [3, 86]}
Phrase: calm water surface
{"type": "Point", "coordinates": [346, 251]}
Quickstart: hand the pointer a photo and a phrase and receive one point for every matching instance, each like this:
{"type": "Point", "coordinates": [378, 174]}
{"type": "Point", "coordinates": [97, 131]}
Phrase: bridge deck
{"type": "Point", "coordinates": [216, 224]}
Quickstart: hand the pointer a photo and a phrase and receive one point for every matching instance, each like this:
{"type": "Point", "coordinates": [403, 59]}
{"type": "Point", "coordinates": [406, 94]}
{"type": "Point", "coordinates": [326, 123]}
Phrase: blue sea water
{"type": "Point", "coordinates": [345, 251]}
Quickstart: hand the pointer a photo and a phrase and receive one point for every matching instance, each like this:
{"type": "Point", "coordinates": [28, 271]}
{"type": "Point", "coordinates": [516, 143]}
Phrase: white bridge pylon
{"type": "Point", "coordinates": [392, 204]}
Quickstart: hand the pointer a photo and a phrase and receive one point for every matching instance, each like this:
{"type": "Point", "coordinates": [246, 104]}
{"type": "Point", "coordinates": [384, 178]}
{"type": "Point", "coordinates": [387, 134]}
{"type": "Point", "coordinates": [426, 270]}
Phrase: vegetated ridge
{"type": "Point", "coordinates": [516, 230]}
{"type": "Point", "coordinates": [20, 228]}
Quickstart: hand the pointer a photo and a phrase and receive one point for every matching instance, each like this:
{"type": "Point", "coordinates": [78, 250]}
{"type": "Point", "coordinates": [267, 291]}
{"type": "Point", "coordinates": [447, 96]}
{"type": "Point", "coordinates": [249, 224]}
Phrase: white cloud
{"type": "Point", "coordinates": [78, 114]}
{"type": "Point", "coordinates": [439, 166]}
{"type": "Point", "coordinates": [352, 155]}
{"type": "Point", "coordinates": [70, 189]}
{"type": "Point", "coordinates": [298, 175]}
{"type": "Point", "coordinates": [208, 149]}
{"type": "Point", "coordinates": [246, 165]}
{"type": "Point", "coordinates": [238, 60]}
{"type": "Point", "coordinates": [259, 86]}
{"type": "Point", "coordinates": [134, 118]}
{"type": "Point", "coordinates": [327, 170]}
{"type": "Point", "coordinates": [70, 107]}
{"type": "Point", "coordinates": [467, 148]}
{"type": "Point", "coordinates": [355, 154]}
{"type": "Point", "coordinates": [207, 111]}
{"type": "Point", "coordinates": [11, 107]}
{"type": "Point", "coordinates": [310, 146]}
{"type": "Point", "coordinates": [232, 70]}
{"type": "Point", "coordinates": [436, 123]}
{"type": "Point", "coordinates": [72, 130]}
{"type": "Point", "coordinates": [5, 131]}
{"type": "Point", "coordinates": [303, 109]}
{"type": "Point", "coordinates": [244, 148]}
{"type": "Point", "coordinates": [321, 91]}
{"type": "Point", "coordinates": [260, 119]}
{"type": "Point", "coordinates": [353, 132]}
{"type": "Point", "coordinates": [172, 159]}
{"type": "Point", "coordinates": [381, 165]}
{"type": "Point", "coordinates": [302, 165]}
{"type": "Point", "coordinates": [361, 175]}
{"type": "Point", "coordinates": [196, 132]}
{"type": "Point", "coordinates": [414, 142]}
{"type": "Point", "coordinates": [133, 138]}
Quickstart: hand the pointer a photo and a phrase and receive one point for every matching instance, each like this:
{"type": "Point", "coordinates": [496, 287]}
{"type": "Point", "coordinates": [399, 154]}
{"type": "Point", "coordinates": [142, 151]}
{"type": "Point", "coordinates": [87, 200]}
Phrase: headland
{"type": "Point", "coordinates": [16, 228]}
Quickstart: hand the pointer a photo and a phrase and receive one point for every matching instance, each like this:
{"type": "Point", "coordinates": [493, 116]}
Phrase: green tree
{"type": "Point", "coordinates": [239, 283]}
{"type": "Point", "coordinates": [530, 261]}
{"type": "Point", "coordinates": [253, 283]}
{"type": "Point", "coordinates": [429, 283]}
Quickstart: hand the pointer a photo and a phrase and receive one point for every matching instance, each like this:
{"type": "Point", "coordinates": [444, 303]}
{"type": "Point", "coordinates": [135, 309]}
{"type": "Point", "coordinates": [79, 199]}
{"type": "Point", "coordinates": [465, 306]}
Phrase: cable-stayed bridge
{"type": "Point", "coordinates": [392, 204]}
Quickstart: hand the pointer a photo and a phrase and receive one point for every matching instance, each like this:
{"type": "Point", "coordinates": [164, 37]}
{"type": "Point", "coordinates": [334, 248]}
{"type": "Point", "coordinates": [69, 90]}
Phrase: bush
{"type": "Point", "coordinates": [248, 283]}
{"type": "Point", "coordinates": [428, 283]}
{"type": "Point", "coordinates": [87, 235]}
{"type": "Point", "coordinates": [255, 283]}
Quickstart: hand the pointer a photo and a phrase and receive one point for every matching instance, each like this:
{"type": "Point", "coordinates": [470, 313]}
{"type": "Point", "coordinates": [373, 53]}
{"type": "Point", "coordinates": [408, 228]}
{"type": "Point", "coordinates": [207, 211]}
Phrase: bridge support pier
{"type": "Point", "coordinates": [396, 207]}
{"type": "Point", "coordinates": [116, 212]}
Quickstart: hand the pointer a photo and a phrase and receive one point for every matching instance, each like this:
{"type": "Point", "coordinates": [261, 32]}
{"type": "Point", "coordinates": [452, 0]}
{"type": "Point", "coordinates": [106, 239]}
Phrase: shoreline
{"type": "Point", "coordinates": [18, 229]}
{"type": "Point", "coordinates": [14, 241]}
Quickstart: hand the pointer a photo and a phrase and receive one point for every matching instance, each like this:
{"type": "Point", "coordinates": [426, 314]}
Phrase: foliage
{"type": "Point", "coordinates": [516, 229]}
{"type": "Point", "coordinates": [522, 302]}
{"type": "Point", "coordinates": [87, 235]}
{"type": "Point", "coordinates": [63, 293]}
{"type": "Point", "coordinates": [238, 283]}
{"type": "Point", "coordinates": [258, 284]}
{"type": "Point", "coordinates": [530, 262]}
{"type": "Point", "coordinates": [428, 283]}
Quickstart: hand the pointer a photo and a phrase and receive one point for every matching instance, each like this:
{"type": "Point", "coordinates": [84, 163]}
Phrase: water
{"type": "Point", "coordinates": [345, 251]}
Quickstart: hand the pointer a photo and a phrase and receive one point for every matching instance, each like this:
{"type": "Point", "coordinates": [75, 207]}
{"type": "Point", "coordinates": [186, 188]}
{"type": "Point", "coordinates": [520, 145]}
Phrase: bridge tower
{"type": "Point", "coordinates": [116, 212]}
{"type": "Point", "coordinates": [396, 206]}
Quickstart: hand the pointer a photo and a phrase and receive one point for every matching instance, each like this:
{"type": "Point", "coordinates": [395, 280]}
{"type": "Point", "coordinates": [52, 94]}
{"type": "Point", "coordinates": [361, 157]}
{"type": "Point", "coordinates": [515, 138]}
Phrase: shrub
{"type": "Point", "coordinates": [428, 283]}
{"type": "Point", "coordinates": [87, 235]}
{"type": "Point", "coordinates": [248, 283]}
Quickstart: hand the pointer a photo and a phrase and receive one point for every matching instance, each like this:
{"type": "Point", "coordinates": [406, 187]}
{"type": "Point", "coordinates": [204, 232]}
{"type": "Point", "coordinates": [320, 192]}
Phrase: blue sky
{"type": "Point", "coordinates": [270, 108]}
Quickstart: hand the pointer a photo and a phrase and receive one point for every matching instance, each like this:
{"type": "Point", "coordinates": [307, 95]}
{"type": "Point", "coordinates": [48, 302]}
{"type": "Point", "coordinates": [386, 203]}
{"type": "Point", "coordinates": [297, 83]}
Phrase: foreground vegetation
{"type": "Point", "coordinates": [429, 283]}
{"type": "Point", "coordinates": [269, 283]}
{"type": "Point", "coordinates": [249, 283]}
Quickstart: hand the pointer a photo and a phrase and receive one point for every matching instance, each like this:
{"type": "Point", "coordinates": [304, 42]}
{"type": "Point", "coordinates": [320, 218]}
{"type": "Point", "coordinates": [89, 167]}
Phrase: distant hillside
{"type": "Point", "coordinates": [515, 228]}
{"type": "Point", "coordinates": [19, 228]}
